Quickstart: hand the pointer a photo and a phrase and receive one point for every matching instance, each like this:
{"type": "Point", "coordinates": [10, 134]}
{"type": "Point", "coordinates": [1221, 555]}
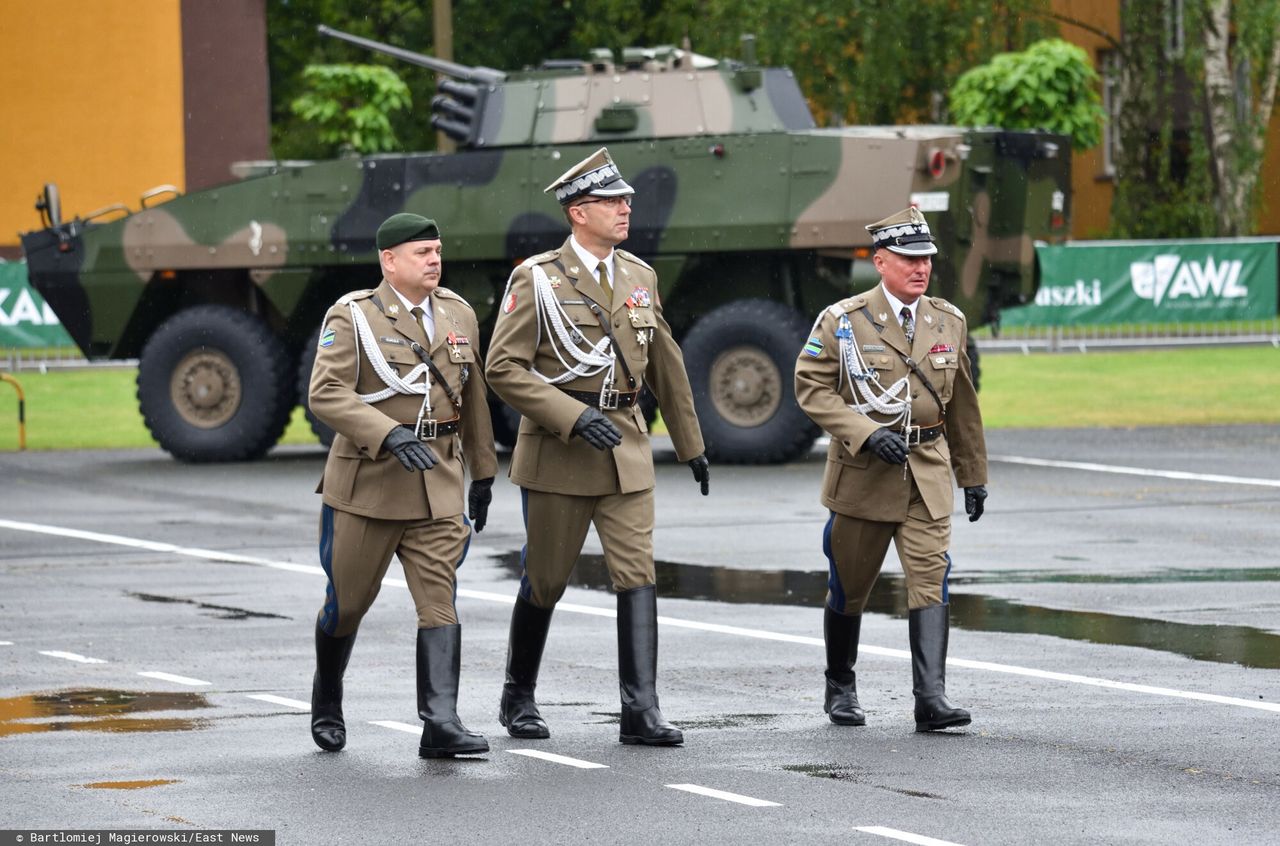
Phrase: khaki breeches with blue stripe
{"type": "Point", "coordinates": [856, 548]}
{"type": "Point", "coordinates": [355, 552]}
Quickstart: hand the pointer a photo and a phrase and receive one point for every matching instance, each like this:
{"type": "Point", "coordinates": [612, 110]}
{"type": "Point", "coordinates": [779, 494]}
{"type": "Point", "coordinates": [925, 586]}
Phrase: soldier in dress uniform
{"type": "Point", "coordinates": [886, 374]}
{"type": "Point", "coordinates": [579, 333]}
{"type": "Point", "coordinates": [399, 379]}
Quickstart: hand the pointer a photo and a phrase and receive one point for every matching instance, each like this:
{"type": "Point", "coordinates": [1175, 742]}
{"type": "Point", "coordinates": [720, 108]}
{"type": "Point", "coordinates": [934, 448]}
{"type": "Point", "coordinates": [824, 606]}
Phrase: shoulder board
{"type": "Point", "coordinates": [549, 255]}
{"type": "Point", "coordinates": [631, 257]}
{"type": "Point", "coordinates": [355, 295]}
{"type": "Point", "coordinates": [946, 306]}
{"type": "Point", "coordinates": [449, 294]}
{"type": "Point", "coordinates": [848, 305]}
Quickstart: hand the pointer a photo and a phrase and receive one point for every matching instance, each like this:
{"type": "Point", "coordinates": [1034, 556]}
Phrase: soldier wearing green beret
{"type": "Point", "coordinates": [398, 377]}
{"type": "Point", "coordinates": [887, 375]}
{"type": "Point", "coordinates": [579, 334]}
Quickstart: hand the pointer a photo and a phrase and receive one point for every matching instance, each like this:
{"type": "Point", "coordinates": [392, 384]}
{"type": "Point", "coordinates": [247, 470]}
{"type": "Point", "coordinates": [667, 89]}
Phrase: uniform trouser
{"type": "Point", "coordinates": [356, 550]}
{"type": "Point", "coordinates": [556, 525]}
{"type": "Point", "coordinates": [855, 551]}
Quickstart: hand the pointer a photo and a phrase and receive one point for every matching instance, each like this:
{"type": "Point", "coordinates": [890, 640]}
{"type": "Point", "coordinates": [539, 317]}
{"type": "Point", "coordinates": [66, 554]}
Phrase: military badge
{"type": "Point", "coordinates": [942, 348]}
{"type": "Point", "coordinates": [455, 339]}
{"type": "Point", "coordinates": [813, 347]}
{"type": "Point", "coordinates": [928, 318]}
{"type": "Point", "coordinates": [393, 309]}
{"type": "Point", "coordinates": [641, 338]}
{"type": "Point", "coordinates": [554, 280]}
{"type": "Point", "coordinates": [510, 305]}
{"type": "Point", "coordinates": [327, 336]}
{"type": "Point", "coordinates": [640, 296]}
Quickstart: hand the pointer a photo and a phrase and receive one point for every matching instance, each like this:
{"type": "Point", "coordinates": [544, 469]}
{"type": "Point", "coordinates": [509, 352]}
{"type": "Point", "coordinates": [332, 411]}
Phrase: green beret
{"type": "Point", "coordinates": [403, 227]}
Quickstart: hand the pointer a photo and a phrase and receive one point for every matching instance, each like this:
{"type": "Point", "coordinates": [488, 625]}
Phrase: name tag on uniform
{"type": "Point", "coordinates": [401, 342]}
{"type": "Point", "coordinates": [573, 302]}
{"type": "Point", "coordinates": [873, 347]}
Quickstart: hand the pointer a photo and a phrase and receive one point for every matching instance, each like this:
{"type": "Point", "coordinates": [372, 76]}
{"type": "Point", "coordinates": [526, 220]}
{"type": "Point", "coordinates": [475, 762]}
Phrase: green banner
{"type": "Point", "coordinates": [1100, 283]}
{"type": "Point", "coordinates": [25, 319]}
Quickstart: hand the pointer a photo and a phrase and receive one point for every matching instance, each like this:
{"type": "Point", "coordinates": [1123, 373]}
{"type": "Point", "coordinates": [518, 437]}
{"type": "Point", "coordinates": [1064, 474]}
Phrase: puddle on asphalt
{"type": "Point", "coordinates": [129, 785]}
{"type": "Point", "coordinates": [224, 612]}
{"type": "Point", "coordinates": [98, 710]}
{"type": "Point", "coordinates": [1243, 645]}
{"type": "Point", "coordinates": [834, 771]}
{"type": "Point", "coordinates": [726, 721]}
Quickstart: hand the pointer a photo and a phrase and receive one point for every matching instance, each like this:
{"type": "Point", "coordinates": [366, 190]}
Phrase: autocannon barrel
{"type": "Point", "coordinates": [463, 72]}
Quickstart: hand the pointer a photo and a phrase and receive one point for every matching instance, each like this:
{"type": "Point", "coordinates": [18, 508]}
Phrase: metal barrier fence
{"type": "Point", "coordinates": [1027, 339]}
{"type": "Point", "coordinates": [43, 359]}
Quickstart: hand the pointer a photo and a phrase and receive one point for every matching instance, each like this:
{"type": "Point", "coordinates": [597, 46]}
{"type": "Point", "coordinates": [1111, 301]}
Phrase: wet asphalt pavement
{"type": "Point", "coordinates": [1116, 633]}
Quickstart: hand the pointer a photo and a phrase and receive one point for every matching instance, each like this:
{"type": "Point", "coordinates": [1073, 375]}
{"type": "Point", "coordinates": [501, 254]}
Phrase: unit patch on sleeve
{"type": "Point", "coordinates": [326, 337]}
{"type": "Point", "coordinates": [813, 347]}
{"type": "Point", "coordinates": [510, 305]}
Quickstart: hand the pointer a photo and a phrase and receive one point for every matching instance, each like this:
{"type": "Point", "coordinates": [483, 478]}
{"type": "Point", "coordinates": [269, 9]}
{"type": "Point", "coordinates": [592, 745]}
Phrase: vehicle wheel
{"type": "Point", "coordinates": [306, 361]}
{"type": "Point", "coordinates": [741, 361]}
{"type": "Point", "coordinates": [506, 422]}
{"type": "Point", "coordinates": [214, 384]}
{"type": "Point", "coordinates": [975, 367]}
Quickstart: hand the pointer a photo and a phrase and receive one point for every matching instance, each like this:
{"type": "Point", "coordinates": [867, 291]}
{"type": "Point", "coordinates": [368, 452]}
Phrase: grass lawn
{"type": "Point", "coordinates": [97, 408]}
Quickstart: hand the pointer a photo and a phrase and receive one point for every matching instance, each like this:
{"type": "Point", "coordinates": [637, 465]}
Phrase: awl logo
{"type": "Point", "coordinates": [1168, 277]}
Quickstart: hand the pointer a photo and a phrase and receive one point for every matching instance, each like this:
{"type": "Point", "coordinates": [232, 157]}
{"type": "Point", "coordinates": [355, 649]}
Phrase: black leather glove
{"type": "Point", "coordinates": [478, 499]}
{"type": "Point", "coordinates": [974, 498]}
{"type": "Point", "coordinates": [413, 453]}
{"type": "Point", "coordinates": [597, 430]}
{"type": "Point", "coordinates": [701, 472]}
{"type": "Point", "coordinates": [887, 445]}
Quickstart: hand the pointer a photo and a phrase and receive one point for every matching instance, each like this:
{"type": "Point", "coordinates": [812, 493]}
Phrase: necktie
{"type": "Point", "coordinates": [417, 313]}
{"type": "Point", "coordinates": [602, 271]}
{"type": "Point", "coordinates": [908, 325]}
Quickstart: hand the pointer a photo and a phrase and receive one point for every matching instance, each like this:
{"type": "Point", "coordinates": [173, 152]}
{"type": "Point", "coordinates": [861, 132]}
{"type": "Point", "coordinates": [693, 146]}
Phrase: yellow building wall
{"type": "Point", "coordinates": [90, 99]}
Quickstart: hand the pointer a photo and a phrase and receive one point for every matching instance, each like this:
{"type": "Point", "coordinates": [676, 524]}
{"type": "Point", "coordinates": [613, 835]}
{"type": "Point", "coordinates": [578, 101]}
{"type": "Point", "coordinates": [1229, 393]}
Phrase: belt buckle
{"type": "Point", "coordinates": [426, 429]}
{"type": "Point", "coordinates": [912, 434]}
{"type": "Point", "coordinates": [609, 399]}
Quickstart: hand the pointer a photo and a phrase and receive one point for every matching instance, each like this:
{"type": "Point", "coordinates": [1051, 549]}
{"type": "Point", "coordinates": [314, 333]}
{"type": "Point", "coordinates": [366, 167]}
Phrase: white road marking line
{"type": "Point", "coordinates": [559, 759]}
{"type": "Point", "coordinates": [71, 656]}
{"type": "Point", "coordinates": [392, 724]}
{"type": "Point", "coordinates": [1136, 471]}
{"type": "Point", "coordinates": [669, 621]}
{"type": "Point", "coordinates": [725, 795]}
{"type": "Point", "coordinates": [280, 700]}
{"type": "Point", "coordinates": [905, 836]}
{"type": "Point", "coordinates": [170, 677]}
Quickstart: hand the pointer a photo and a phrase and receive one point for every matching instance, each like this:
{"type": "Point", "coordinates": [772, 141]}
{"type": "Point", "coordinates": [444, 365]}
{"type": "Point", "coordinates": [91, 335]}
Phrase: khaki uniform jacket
{"type": "Point", "coordinates": [362, 478]}
{"type": "Point", "coordinates": [547, 456]}
{"type": "Point", "coordinates": [857, 483]}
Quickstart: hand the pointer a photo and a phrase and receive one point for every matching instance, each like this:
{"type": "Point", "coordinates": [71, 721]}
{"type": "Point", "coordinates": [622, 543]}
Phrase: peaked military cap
{"type": "Point", "coordinates": [595, 175]}
{"type": "Point", "coordinates": [905, 233]}
{"type": "Point", "coordinates": [401, 228]}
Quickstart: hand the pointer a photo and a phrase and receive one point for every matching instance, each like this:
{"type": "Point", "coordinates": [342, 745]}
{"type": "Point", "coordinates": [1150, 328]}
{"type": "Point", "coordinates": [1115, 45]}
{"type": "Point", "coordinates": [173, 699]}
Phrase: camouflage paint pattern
{"type": "Point", "coordinates": [738, 195]}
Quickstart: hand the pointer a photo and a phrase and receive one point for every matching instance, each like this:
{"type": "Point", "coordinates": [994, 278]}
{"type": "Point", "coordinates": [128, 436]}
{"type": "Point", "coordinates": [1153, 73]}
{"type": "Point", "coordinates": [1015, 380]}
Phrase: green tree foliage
{"type": "Point", "coordinates": [350, 105]}
{"type": "Point", "coordinates": [1051, 85]}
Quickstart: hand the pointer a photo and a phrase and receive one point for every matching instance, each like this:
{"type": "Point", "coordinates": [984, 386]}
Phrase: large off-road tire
{"type": "Point", "coordinates": [214, 384]}
{"type": "Point", "coordinates": [741, 362]}
{"type": "Point", "coordinates": [307, 360]}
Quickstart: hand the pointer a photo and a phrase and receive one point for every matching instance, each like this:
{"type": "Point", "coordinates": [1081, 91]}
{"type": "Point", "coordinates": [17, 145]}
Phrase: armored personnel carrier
{"type": "Point", "coordinates": [752, 216]}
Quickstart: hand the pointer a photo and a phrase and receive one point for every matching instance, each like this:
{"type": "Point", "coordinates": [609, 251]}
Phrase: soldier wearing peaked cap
{"type": "Point", "coordinates": [887, 375]}
{"type": "Point", "coordinates": [579, 333]}
{"type": "Point", "coordinates": [398, 378]}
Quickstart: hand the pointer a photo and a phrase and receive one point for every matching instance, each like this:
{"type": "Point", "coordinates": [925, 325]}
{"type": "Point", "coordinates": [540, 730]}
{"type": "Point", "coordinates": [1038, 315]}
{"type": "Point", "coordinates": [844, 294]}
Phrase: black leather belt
{"type": "Point", "coordinates": [923, 434]}
{"type": "Point", "coordinates": [605, 399]}
{"type": "Point", "coordinates": [432, 429]}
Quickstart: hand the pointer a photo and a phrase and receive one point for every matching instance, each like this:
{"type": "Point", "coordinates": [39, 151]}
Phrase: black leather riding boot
{"type": "Point", "coordinates": [841, 634]}
{"type": "Point", "coordinates": [518, 711]}
{"type": "Point", "coordinates": [642, 720]}
{"type": "Point", "coordinates": [929, 628]}
{"type": "Point", "coordinates": [439, 661]}
{"type": "Point", "coordinates": [332, 653]}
